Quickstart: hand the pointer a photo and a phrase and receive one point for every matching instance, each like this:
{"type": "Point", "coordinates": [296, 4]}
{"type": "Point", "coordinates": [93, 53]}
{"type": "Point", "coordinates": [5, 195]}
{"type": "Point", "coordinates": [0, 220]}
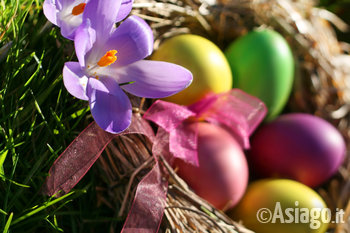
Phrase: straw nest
{"type": "Point", "coordinates": [127, 160]}
{"type": "Point", "coordinates": [322, 87]}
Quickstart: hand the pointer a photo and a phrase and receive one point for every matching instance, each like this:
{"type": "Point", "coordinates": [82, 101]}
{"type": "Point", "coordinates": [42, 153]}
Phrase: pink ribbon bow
{"type": "Point", "coordinates": [234, 110]}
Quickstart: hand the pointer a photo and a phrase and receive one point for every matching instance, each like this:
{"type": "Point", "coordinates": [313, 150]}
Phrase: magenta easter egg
{"type": "Point", "coordinates": [222, 175]}
{"type": "Point", "coordinates": [298, 146]}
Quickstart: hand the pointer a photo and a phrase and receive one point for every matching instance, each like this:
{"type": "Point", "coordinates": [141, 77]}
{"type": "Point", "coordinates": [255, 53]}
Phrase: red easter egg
{"type": "Point", "coordinates": [222, 175]}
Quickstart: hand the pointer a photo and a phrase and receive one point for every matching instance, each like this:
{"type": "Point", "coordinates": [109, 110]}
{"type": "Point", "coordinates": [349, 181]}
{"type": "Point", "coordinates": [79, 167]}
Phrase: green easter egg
{"type": "Point", "coordinates": [262, 65]}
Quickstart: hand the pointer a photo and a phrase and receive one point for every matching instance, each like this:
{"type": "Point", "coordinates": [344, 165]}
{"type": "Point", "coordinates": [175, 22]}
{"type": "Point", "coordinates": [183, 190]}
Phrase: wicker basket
{"type": "Point", "coordinates": [127, 160]}
{"type": "Point", "coordinates": [321, 88]}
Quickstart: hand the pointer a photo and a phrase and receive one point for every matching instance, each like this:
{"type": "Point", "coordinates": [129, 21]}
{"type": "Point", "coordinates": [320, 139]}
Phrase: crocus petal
{"type": "Point", "coordinates": [65, 18]}
{"type": "Point", "coordinates": [103, 15]}
{"type": "Point", "coordinates": [85, 38]}
{"type": "Point", "coordinates": [154, 79]}
{"type": "Point", "coordinates": [110, 106]}
{"type": "Point", "coordinates": [59, 4]}
{"type": "Point", "coordinates": [133, 40]}
{"type": "Point", "coordinates": [50, 11]}
{"type": "Point", "coordinates": [75, 80]}
{"type": "Point", "coordinates": [68, 30]}
{"type": "Point", "coordinates": [124, 10]}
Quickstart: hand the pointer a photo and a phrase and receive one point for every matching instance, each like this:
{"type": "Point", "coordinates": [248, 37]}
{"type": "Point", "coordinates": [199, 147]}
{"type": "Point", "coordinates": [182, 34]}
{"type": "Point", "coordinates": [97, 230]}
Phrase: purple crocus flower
{"type": "Point", "coordinates": [68, 14]}
{"type": "Point", "coordinates": [110, 62]}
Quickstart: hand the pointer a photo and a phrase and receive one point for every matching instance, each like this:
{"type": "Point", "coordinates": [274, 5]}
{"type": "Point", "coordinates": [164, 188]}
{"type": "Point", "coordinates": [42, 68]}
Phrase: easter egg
{"type": "Point", "coordinates": [282, 206]}
{"type": "Point", "coordinates": [222, 175]}
{"type": "Point", "coordinates": [262, 65]}
{"type": "Point", "coordinates": [208, 64]}
{"type": "Point", "coordinates": [298, 146]}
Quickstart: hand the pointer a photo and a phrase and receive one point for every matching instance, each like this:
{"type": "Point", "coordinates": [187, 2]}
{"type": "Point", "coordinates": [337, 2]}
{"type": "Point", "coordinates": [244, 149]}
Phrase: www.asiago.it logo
{"type": "Point", "coordinates": [314, 216]}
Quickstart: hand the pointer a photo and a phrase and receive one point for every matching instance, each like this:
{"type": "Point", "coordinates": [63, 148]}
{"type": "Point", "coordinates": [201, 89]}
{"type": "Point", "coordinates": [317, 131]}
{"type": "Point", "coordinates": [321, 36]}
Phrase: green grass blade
{"type": "Point", "coordinates": [46, 205]}
{"type": "Point", "coordinates": [3, 212]}
{"type": "Point", "coordinates": [3, 156]}
{"type": "Point", "coordinates": [8, 223]}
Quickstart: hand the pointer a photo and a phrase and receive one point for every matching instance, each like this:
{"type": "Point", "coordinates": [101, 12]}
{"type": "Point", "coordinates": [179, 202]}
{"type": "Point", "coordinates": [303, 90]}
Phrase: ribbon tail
{"type": "Point", "coordinates": [71, 166]}
{"type": "Point", "coordinates": [147, 209]}
{"type": "Point", "coordinates": [76, 160]}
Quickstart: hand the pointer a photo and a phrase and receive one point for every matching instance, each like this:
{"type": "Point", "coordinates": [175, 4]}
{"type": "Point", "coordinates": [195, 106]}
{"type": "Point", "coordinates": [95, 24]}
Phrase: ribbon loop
{"type": "Point", "coordinates": [240, 112]}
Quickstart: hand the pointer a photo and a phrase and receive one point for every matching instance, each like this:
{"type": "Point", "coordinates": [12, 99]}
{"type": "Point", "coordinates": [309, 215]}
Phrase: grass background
{"type": "Point", "coordinates": [38, 119]}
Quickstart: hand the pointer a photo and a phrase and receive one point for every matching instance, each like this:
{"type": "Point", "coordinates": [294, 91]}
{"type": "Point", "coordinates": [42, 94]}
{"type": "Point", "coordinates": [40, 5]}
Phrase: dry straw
{"type": "Point", "coordinates": [322, 88]}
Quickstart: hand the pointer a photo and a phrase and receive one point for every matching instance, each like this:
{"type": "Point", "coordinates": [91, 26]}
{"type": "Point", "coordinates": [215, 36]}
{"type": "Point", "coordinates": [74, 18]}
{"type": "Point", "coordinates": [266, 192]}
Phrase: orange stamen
{"type": "Point", "coordinates": [78, 9]}
{"type": "Point", "coordinates": [108, 58]}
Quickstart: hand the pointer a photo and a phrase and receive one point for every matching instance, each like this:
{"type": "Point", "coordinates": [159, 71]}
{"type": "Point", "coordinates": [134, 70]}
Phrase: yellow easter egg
{"type": "Point", "coordinates": [281, 205]}
{"type": "Point", "coordinates": [210, 69]}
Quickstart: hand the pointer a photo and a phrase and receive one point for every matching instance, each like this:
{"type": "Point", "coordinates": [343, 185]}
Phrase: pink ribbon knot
{"type": "Point", "coordinates": [235, 110]}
